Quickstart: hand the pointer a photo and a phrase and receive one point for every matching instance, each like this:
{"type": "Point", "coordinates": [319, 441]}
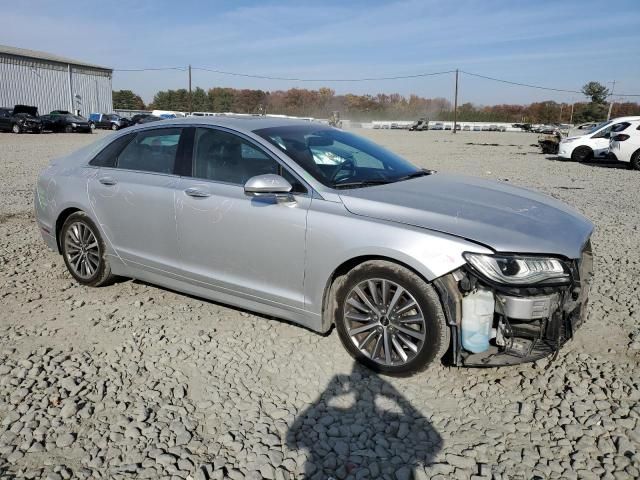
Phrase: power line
{"type": "Point", "coordinates": [520, 84]}
{"type": "Point", "coordinates": [362, 79]}
{"type": "Point", "coordinates": [365, 79]}
{"type": "Point", "coordinates": [536, 86]}
{"type": "Point", "coordinates": [182, 69]}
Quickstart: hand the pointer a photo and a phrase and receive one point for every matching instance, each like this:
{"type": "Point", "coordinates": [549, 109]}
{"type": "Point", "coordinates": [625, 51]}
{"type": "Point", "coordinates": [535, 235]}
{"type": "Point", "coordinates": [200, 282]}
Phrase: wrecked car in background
{"type": "Point", "coordinates": [408, 264]}
{"type": "Point", "coordinates": [550, 141]}
{"type": "Point", "coordinates": [21, 118]}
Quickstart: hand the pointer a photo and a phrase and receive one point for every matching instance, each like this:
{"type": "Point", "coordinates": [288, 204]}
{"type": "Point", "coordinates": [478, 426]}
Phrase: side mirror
{"type": "Point", "coordinates": [267, 185]}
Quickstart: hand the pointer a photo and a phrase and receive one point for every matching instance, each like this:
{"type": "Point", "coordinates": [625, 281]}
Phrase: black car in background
{"type": "Point", "coordinates": [150, 118]}
{"type": "Point", "coordinates": [109, 121]}
{"type": "Point", "coordinates": [20, 118]}
{"type": "Point", "coordinates": [67, 123]}
{"type": "Point", "coordinates": [143, 118]}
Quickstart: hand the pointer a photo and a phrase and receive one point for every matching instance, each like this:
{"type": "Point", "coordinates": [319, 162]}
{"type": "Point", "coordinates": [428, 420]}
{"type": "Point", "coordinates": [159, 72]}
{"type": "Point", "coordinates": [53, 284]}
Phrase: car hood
{"type": "Point", "coordinates": [33, 111]}
{"type": "Point", "coordinates": [500, 216]}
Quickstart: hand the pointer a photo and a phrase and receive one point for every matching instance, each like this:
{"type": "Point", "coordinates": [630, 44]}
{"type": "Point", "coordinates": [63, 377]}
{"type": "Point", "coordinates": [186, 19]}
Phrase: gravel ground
{"type": "Point", "coordinates": [133, 381]}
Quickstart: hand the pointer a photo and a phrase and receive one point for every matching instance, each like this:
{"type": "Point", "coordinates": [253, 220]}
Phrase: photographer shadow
{"type": "Point", "coordinates": [362, 427]}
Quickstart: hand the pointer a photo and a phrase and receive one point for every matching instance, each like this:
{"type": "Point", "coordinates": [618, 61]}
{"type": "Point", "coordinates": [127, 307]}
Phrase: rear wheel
{"type": "Point", "coordinates": [582, 154]}
{"type": "Point", "coordinates": [635, 161]}
{"type": "Point", "coordinates": [84, 251]}
{"type": "Point", "coordinates": [389, 319]}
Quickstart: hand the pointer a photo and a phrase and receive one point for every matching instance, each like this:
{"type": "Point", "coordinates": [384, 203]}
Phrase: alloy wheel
{"type": "Point", "coordinates": [82, 250]}
{"type": "Point", "coordinates": [384, 322]}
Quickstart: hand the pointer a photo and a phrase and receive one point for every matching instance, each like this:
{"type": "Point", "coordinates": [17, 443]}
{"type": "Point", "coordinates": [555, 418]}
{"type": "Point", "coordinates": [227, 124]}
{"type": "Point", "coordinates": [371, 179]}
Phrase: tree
{"type": "Point", "coordinates": [596, 91]}
{"type": "Point", "coordinates": [382, 106]}
{"type": "Point", "coordinates": [199, 100]}
{"type": "Point", "coordinates": [127, 100]}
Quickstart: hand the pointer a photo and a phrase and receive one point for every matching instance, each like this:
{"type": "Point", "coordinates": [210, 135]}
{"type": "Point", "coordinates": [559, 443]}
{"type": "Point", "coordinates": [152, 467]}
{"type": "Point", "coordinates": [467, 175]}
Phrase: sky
{"type": "Point", "coordinates": [560, 44]}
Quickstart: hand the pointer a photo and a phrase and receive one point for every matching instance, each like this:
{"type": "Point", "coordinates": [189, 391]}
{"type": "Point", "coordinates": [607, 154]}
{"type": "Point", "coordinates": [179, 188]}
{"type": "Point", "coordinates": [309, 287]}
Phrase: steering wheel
{"type": "Point", "coordinates": [348, 163]}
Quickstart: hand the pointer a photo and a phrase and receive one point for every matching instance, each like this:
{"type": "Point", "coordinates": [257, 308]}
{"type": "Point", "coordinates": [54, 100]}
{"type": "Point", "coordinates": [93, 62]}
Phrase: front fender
{"type": "Point", "coordinates": [335, 237]}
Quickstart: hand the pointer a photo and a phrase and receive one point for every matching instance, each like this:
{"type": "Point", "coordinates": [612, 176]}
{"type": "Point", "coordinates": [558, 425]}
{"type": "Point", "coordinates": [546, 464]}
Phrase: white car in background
{"type": "Point", "coordinates": [625, 143]}
{"type": "Point", "coordinates": [593, 144]}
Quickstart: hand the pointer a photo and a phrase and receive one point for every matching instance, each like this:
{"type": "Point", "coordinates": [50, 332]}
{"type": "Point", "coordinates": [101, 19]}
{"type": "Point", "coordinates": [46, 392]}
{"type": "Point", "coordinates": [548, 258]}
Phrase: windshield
{"type": "Point", "coordinates": [338, 159]}
{"type": "Point", "coordinates": [598, 127]}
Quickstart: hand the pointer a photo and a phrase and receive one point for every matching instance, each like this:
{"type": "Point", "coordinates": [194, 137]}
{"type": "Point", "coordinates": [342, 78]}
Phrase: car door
{"type": "Point", "coordinates": [133, 197]}
{"type": "Point", "coordinates": [105, 121]}
{"type": "Point", "coordinates": [600, 142]}
{"type": "Point", "coordinates": [5, 119]}
{"type": "Point", "coordinates": [241, 245]}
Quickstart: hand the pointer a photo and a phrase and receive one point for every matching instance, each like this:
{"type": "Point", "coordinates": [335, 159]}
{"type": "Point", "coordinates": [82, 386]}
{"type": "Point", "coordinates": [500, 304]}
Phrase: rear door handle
{"type": "Point", "coordinates": [197, 193]}
{"type": "Point", "coordinates": [107, 181]}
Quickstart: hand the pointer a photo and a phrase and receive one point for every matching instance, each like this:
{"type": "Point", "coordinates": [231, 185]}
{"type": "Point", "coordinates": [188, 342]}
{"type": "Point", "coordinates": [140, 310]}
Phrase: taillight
{"type": "Point", "coordinates": [620, 138]}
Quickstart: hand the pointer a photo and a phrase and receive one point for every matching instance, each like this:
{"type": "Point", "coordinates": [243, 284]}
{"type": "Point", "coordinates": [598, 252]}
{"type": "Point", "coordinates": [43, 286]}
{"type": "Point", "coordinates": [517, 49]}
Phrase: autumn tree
{"type": "Point", "coordinates": [382, 106]}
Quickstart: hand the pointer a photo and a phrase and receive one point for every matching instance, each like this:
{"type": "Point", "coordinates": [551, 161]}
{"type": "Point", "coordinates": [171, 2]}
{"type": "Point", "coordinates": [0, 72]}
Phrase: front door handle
{"type": "Point", "coordinates": [197, 193]}
{"type": "Point", "coordinates": [107, 181]}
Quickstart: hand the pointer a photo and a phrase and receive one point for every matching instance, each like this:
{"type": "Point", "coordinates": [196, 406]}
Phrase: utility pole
{"type": "Point", "coordinates": [455, 106]}
{"type": "Point", "coordinates": [571, 118]}
{"type": "Point", "coordinates": [611, 101]}
{"type": "Point", "coordinates": [561, 108]}
{"type": "Point", "coordinates": [190, 97]}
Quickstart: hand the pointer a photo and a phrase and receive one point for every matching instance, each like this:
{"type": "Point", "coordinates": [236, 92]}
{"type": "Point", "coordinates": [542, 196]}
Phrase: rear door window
{"type": "Point", "coordinates": [151, 151]}
{"type": "Point", "coordinates": [109, 155]}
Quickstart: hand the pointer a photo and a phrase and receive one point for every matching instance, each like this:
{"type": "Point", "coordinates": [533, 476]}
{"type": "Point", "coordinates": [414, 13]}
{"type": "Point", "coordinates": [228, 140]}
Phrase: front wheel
{"type": "Point", "coordinates": [92, 126]}
{"type": "Point", "coordinates": [68, 129]}
{"type": "Point", "coordinates": [582, 154]}
{"type": "Point", "coordinates": [15, 128]}
{"type": "Point", "coordinates": [635, 161]}
{"type": "Point", "coordinates": [84, 251]}
{"type": "Point", "coordinates": [114, 127]}
{"type": "Point", "coordinates": [389, 319]}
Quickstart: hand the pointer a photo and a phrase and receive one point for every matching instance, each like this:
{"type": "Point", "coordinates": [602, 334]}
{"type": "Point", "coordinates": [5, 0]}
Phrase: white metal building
{"type": "Point", "coordinates": [50, 82]}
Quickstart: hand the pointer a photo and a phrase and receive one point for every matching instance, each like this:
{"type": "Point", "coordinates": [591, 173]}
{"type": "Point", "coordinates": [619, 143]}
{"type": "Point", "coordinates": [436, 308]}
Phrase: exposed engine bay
{"type": "Point", "coordinates": [494, 325]}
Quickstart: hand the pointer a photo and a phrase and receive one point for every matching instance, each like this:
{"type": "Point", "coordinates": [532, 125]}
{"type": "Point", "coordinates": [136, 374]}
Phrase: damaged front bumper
{"type": "Point", "coordinates": [529, 323]}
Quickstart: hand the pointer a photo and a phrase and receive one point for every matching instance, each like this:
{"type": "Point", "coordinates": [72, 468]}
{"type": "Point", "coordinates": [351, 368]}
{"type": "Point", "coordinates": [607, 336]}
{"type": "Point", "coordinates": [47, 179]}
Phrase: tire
{"type": "Point", "coordinates": [368, 346]}
{"type": "Point", "coordinates": [92, 268]}
{"type": "Point", "coordinates": [15, 128]}
{"type": "Point", "coordinates": [582, 154]}
{"type": "Point", "coordinates": [68, 129]}
{"type": "Point", "coordinates": [114, 127]}
{"type": "Point", "coordinates": [635, 161]}
{"type": "Point", "coordinates": [92, 126]}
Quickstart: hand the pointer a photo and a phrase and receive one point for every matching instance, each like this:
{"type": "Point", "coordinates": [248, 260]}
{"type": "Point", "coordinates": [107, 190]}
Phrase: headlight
{"type": "Point", "coordinates": [568, 140]}
{"type": "Point", "coordinates": [519, 270]}
{"type": "Point", "coordinates": [74, 125]}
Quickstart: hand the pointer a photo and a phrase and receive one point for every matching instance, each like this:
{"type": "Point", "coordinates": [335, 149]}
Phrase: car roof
{"type": "Point", "coordinates": [625, 119]}
{"type": "Point", "coordinates": [238, 122]}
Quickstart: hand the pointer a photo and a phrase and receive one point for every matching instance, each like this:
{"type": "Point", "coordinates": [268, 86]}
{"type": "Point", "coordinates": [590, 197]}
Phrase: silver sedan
{"type": "Point", "coordinates": [321, 227]}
